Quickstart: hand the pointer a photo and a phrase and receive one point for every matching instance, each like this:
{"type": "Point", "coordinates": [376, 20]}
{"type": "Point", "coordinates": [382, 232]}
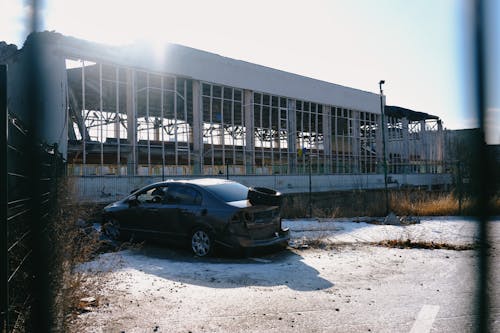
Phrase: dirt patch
{"type": "Point", "coordinates": [319, 244]}
{"type": "Point", "coordinates": [409, 244]}
{"type": "Point", "coordinates": [325, 244]}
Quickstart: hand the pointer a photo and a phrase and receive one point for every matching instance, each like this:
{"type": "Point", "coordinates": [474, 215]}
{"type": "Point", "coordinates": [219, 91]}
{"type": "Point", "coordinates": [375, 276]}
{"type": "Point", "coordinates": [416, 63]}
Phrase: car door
{"type": "Point", "coordinates": [179, 212]}
{"type": "Point", "coordinates": [147, 212]}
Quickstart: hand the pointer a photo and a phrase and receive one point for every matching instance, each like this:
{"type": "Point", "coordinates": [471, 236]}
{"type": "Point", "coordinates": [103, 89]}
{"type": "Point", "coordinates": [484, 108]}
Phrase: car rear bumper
{"type": "Point", "coordinates": [280, 238]}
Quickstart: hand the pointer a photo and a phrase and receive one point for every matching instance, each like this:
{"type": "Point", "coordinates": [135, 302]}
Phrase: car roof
{"type": "Point", "coordinates": [198, 181]}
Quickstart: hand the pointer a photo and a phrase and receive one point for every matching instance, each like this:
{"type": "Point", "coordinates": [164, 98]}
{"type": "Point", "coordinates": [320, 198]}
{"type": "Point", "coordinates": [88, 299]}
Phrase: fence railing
{"type": "Point", "coordinates": [144, 169]}
{"type": "Point", "coordinates": [27, 198]}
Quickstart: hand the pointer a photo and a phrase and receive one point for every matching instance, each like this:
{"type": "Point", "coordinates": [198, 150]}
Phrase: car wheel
{"type": "Point", "coordinates": [201, 243]}
{"type": "Point", "coordinates": [112, 229]}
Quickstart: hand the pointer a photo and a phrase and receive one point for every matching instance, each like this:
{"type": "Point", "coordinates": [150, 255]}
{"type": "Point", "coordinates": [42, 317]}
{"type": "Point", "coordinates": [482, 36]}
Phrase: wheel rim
{"type": "Point", "coordinates": [200, 243]}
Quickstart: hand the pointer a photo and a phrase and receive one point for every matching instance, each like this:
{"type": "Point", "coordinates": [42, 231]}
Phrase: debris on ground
{"type": "Point", "coordinates": [87, 304]}
{"type": "Point", "coordinates": [407, 220]}
{"type": "Point", "coordinates": [392, 219]}
{"type": "Point", "coordinates": [298, 244]}
{"type": "Point", "coordinates": [92, 231]}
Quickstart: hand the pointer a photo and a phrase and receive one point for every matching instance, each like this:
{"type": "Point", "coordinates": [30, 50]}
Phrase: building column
{"type": "Point", "coordinates": [327, 138]}
{"type": "Point", "coordinates": [197, 129]}
{"type": "Point", "coordinates": [292, 136]}
{"type": "Point", "coordinates": [131, 124]}
{"type": "Point", "coordinates": [379, 145]}
{"type": "Point", "coordinates": [405, 153]}
{"type": "Point", "coordinates": [249, 147]}
{"type": "Point", "coordinates": [424, 152]}
{"type": "Point", "coordinates": [356, 142]}
{"type": "Point", "coordinates": [440, 146]}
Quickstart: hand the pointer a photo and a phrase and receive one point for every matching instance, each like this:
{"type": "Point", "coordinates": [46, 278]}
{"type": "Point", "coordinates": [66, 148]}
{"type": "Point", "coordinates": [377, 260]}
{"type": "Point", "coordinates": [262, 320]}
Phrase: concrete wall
{"type": "Point", "coordinates": [108, 189]}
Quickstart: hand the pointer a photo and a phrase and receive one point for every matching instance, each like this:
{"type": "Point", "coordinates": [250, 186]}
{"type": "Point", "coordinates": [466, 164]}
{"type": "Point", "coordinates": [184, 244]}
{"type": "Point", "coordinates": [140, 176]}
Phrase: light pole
{"type": "Point", "coordinates": [381, 82]}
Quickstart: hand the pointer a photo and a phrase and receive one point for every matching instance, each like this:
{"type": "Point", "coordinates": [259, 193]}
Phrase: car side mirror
{"type": "Point", "coordinates": [132, 201]}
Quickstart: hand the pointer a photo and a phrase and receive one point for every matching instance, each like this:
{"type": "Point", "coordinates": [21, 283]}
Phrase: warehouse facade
{"type": "Point", "coordinates": [123, 111]}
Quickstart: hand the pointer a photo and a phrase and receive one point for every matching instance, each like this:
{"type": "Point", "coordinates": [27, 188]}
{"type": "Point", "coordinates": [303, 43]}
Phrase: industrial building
{"type": "Point", "coordinates": [130, 111]}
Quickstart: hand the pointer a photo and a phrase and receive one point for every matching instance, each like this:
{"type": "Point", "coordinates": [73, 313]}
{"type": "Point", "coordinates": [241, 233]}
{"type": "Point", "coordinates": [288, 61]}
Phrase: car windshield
{"type": "Point", "coordinates": [229, 191]}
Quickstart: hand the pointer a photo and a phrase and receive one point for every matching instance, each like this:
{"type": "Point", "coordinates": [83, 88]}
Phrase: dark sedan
{"type": "Point", "coordinates": [201, 213]}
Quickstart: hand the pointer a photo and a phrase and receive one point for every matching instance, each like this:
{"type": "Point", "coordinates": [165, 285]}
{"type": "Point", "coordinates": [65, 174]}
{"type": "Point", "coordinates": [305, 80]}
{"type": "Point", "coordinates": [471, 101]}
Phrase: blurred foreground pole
{"type": "Point", "coordinates": [41, 309]}
{"type": "Point", "coordinates": [4, 262]}
{"type": "Point", "coordinates": [482, 169]}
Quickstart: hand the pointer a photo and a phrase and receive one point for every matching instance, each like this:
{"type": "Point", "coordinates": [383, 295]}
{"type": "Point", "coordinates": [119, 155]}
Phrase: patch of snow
{"type": "Point", "coordinates": [454, 231]}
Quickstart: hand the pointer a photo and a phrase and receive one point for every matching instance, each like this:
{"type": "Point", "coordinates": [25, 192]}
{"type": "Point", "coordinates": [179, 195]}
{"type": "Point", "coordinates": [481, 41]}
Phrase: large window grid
{"type": "Point", "coordinates": [413, 146]}
{"type": "Point", "coordinates": [162, 121]}
{"type": "Point", "coordinates": [223, 128]}
{"type": "Point", "coordinates": [396, 145]}
{"type": "Point", "coordinates": [310, 136]}
{"type": "Point", "coordinates": [101, 99]}
{"type": "Point", "coordinates": [128, 121]}
{"type": "Point", "coordinates": [368, 125]}
{"type": "Point", "coordinates": [342, 124]}
{"type": "Point", "coordinates": [271, 132]}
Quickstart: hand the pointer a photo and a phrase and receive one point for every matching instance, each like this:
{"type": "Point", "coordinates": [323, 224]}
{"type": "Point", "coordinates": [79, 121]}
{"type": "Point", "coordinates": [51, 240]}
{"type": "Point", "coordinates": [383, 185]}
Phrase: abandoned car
{"type": "Point", "coordinates": [202, 213]}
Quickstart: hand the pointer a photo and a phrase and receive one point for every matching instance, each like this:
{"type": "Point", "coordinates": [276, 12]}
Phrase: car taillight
{"type": "Point", "coordinates": [236, 218]}
{"type": "Point", "coordinates": [248, 217]}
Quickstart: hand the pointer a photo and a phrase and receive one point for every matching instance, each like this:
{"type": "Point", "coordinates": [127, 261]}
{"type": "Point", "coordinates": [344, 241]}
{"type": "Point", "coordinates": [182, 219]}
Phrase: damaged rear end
{"type": "Point", "coordinates": [257, 225]}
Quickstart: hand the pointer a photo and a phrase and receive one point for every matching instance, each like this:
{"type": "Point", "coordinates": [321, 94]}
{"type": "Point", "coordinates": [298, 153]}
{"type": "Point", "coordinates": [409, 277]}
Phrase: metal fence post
{"type": "Point", "coordinates": [459, 185]}
{"type": "Point", "coordinates": [310, 186]}
{"type": "Point", "coordinates": [482, 167]}
{"type": "Point", "coordinates": [4, 266]}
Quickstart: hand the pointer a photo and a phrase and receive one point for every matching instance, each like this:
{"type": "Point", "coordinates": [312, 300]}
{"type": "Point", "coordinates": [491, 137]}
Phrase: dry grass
{"type": "Point", "coordinates": [372, 203]}
{"type": "Point", "coordinates": [421, 204]}
{"type": "Point", "coordinates": [442, 204]}
{"type": "Point", "coordinates": [71, 245]}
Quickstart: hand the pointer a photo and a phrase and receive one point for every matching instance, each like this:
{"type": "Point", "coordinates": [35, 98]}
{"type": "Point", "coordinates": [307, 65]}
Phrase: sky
{"type": "Point", "coordinates": [422, 49]}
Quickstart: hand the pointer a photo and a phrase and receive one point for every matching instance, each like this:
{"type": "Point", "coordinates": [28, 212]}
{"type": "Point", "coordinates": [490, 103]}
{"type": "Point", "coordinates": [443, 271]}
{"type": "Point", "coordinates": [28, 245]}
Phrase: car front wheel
{"type": "Point", "coordinates": [201, 243]}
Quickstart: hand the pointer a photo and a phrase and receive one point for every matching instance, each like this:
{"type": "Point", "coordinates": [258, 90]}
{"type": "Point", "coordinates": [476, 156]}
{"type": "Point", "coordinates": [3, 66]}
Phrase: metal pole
{"type": "Point", "coordinates": [4, 197]}
{"type": "Point", "coordinates": [482, 167]}
{"type": "Point", "coordinates": [310, 187]}
{"type": "Point", "coordinates": [41, 309]}
{"type": "Point", "coordinates": [459, 185]}
{"type": "Point", "coordinates": [162, 131]}
{"type": "Point", "coordinates": [383, 146]}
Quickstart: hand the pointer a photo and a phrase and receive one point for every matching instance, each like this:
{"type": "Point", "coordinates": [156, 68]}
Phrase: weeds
{"type": "Point", "coordinates": [423, 204]}
{"type": "Point", "coordinates": [372, 203]}
{"type": "Point", "coordinates": [72, 243]}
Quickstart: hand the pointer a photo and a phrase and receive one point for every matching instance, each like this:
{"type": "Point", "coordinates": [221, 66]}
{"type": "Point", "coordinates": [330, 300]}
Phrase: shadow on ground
{"type": "Point", "coordinates": [262, 269]}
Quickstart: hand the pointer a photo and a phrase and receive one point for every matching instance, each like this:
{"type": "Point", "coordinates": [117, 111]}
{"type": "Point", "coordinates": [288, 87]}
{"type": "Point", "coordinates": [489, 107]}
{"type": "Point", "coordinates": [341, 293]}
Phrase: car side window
{"type": "Point", "coordinates": [183, 195]}
{"type": "Point", "coordinates": [152, 195]}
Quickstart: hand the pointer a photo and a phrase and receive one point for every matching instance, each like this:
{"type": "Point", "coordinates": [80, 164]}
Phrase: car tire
{"type": "Point", "coordinates": [202, 242]}
{"type": "Point", "coordinates": [112, 229]}
{"type": "Point", "coordinates": [264, 196]}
